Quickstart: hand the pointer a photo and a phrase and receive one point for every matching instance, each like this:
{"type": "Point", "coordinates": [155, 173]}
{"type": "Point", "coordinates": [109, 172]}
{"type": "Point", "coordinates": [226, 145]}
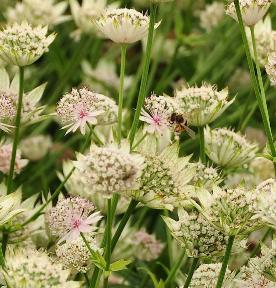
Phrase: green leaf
{"type": "Point", "coordinates": [98, 260]}
{"type": "Point", "coordinates": [152, 276]}
{"type": "Point", "coordinates": [119, 265]}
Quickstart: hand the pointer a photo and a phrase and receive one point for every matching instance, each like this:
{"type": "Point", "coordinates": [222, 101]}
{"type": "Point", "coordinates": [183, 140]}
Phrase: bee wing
{"type": "Point", "coordinates": [190, 132]}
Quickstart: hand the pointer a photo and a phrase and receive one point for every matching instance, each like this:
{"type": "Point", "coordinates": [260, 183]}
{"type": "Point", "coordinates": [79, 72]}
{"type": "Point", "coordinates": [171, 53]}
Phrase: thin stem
{"type": "Point", "coordinates": [121, 91]}
{"type": "Point", "coordinates": [258, 92]}
{"type": "Point", "coordinates": [202, 144]}
{"type": "Point", "coordinates": [263, 96]}
{"type": "Point", "coordinates": [175, 269]}
{"type": "Point", "coordinates": [144, 80]}
{"type": "Point", "coordinates": [169, 241]}
{"type": "Point", "coordinates": [57, 191]}
{"type": "Point", "coordinates": [87, 244]}
{"type": "Point", "coordinates": [225, 261]}
{"type": "Point", "coordinates": [133, 203]}
{"type": "Point", "coordinates": [17, 129]}
{"type": "Point", "coordinates": [191, 272]}
{"type": "Point", "coordinates": [108, 228]}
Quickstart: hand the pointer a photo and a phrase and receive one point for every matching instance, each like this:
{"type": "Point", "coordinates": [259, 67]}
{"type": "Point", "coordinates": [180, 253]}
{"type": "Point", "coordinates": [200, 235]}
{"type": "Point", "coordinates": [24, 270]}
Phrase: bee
{"type": "Point", "coordinates": [180, 124]}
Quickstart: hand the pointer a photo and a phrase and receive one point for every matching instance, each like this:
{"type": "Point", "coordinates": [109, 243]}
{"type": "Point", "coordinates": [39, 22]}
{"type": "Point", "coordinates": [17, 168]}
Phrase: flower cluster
{"type": "Point", "coordinates": [33, 269]}
{"type": "Point", "coordinates": [202, 105]}
{"type": "Point", "coordinates": [5, 159]}
{"type": "Point", "coordinates": [83, 107]}
{"type": "Point", "coordinates": [110, 169]}
{"type": "Point", "coordinates": [72, 216]}
{"type": "Point", "coordinates": [227, 148]}
{"type": "Point", "coordinates": [22, 45]}
{"type": "Point", "coordinates": [205, 176]}
{"type": "Point", "coordinates": [37, 13]}
{"type": "Point", "coordinates": [211, 16]}
{"type": "Point", "coordinates": [206, 276]}
{"type": "Point", "coordinates": [230, 210]}
{"type": "Point", "coordinates": [146, 246]}
{"type": "Point", "coordinates": [196, 234]}
{"type": "Point", "coordinates": [165, 178]}
{"type": "Point", "coordinates": [123, 25]}
{"type": "Point", "coordinates": [252, 10]}
{"type": "Point", "coordinates": [157, 114]}
{"type": "Point", "coordinates": [271, 68]}
{"type": "Point", "coordinates": [75, 254]}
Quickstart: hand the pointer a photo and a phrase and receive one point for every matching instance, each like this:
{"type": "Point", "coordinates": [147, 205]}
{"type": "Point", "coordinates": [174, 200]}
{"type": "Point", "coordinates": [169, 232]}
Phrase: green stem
{"type": "Point", "coordinates": [121, 91]}
{"type": "Point", "coordinates": [87, 244]}
{"type": "Point", "coordinates": [202, 144]}
{"type": "Point", "coordinates": [225, 261]}
{"type": "Point", "coordinates": [17, 129]}
{"type": "Point", "coordinates": [191, 272]}
{"type": "Point", "coordinates": [259, 92]}
{"type": "Point", "coordinates": [169, 241]}
{"type": "Point", "coordinates": [132, 205]}
{"type": "Point", "coordinates": [175, 269]}
{"type": "Point", "coordinates": [144, 80]}
{"type": "Point", "coordinates": [108, 228]}
{"type": "Point", "coordinates": [57, 191]}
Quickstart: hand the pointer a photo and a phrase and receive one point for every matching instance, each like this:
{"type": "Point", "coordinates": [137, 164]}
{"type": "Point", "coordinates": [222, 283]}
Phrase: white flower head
{"type": "Point", "coordinates": [36, 12]}
{"type": "Point", "coordinates": [265, 40]}
{"type": "Point", "coordinates": [5, 159]}
{"type": "Point", "coordinates": [206, 276]}
{"type": "Point", "coordinates": [232, 211]}
{"type": "Point", "coordinates": [157, 113]}
{"type": "Point", "coordinates": [31, 110]}
{"type": "Point", "coordinates": [205, 176]}
{"type": "Point", "coordinates": [227, 148]}
{"type": "Point", "coordinates": [34, 269]}
{"type": "Point", "coordinates": [271, 68]}
{"type": "Point", "coordinates": [123, 25]}
{"type": "Point", "coordinates": [165, 178]}
{"type": "Point", "coordinates": [196, 234]}
{"type": "Point", "coordinates": [22, 44]}
{"type": "Point", "coordinates": [211, 16]}
{"type": "Point", "coordinates": [252, 10]}
{"type": "Point", "coordinates": [82, 107]}
{"type": "Point", "coordinates": [110, 169]}
{"type": "Point", "coordinates": [146, 246]}
{"type": "Point", "coordinates": [72, 216]}
{"type": "Point", "coordinates": [75, 254]}
{"type": "Point", "coordinates": [77, 186]}
{"type": "Point", "coordinates": [266, 202]}
{"type": "Point", "coordinates": [35, 148]}
{"type": "Point", "coordinates": [202, 105]}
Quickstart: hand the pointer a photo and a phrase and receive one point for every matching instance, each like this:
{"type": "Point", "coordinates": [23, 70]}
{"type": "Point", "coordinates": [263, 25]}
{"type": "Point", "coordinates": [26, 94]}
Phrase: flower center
{"type": "Point", "coordinates": [156, 119]}
{"type": "Point", "coordinates": [76, 223]}
{"type": "Point", "coordinates": [83, 114]}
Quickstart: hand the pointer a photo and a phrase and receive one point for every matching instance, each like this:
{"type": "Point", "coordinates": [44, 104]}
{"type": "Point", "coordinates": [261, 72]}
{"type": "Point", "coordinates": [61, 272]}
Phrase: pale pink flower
{"type": "Point", "coordinates": [82, 107]}
{"type": "Point", "coordinates": [72, 216]}
{"type": "Point", "coordinates": [5, 159]}
{"type": "Point", "coordinates": [157, 123]}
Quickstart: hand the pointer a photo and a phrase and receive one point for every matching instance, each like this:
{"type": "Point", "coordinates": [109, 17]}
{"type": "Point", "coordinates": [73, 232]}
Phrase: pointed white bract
{"type": "Point", "coordinates": [252, 10]}
{"type": "Point", "coordinates": [22, 44]}
{"type": "Point", "coordinates": [123, 25]}
{"type": "Point", "coordinates": [165, 178]}
{"type": "Point", "coordinates": [232, 211]}
{"type": "Point", "coordinates": [227, 148]}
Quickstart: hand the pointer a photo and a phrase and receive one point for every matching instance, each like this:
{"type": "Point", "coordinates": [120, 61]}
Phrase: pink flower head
{"type": "Point", "coordinates": [79, 108]}
{"type": "Point", "coordinates": [72, 216]}
{"type": "Point", "coordinates": [157, 122]}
